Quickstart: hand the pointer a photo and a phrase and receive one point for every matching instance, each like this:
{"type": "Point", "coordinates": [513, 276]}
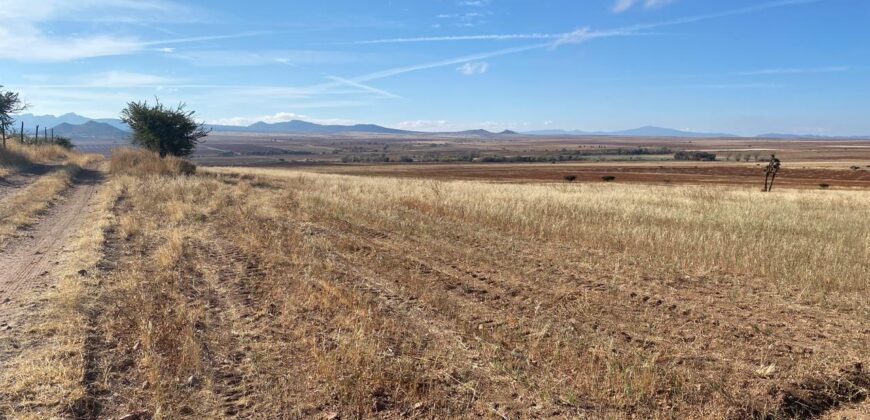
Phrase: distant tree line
{"type": "Point", "coordinates": [701, 156]}
{"type": "Point", "coordinates": [565, 155]}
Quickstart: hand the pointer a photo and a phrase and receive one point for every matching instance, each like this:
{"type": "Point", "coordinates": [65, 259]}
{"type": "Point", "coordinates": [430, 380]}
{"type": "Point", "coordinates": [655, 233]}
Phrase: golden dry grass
{"type": "Point", "coordinates": [815, 242]}
{"type": "Point", "coordinates": [284, 294]}
{"type": "Point", "coordinates": [24, 205]}
{"type": "Point", "coordinates": [137, 162]}
{"type": "Point", "coordinates": [15, 156]}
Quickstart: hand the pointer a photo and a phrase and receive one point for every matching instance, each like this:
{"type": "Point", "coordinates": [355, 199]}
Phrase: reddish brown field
{"type": "Point", "coordinates": [652, 173]}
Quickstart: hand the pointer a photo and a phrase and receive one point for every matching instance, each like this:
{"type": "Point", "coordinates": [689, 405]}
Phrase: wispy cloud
{"type": "Point", "coordinates": [448, 62]}
{"type": "Point", "coordinates": [794, 70]}
{"type": "Point", "coordinates": [364, 87]}
{"type": "Point", "coordinates": [584, 34]}
{"type": "Point", "coordinates": [733, 12]}
{"type": "Point", "coordinates": [474, 3]}
{"type": "Point", "coordinates": [23, 37]}
{"type": "Point", "coordinates": [244, 58]}
{"type": "Point", "coordinates": [473, 68]}
{"type": "Point", "coordinates": [128, 79]}
{"type": "Point", "coordinates": [491, 37]}
{"type": "Point", "coordinates": [725, 86]}
{"type": "Point", "coordinates": [623, 5]}
{"type": "Point", "coordinates": [575, 37]}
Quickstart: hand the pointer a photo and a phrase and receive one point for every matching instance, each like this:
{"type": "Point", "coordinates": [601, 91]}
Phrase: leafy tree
{"type": "Point", "coordinates": [167, 131]}
{"type": "Point", "coordinates": [10, 104]}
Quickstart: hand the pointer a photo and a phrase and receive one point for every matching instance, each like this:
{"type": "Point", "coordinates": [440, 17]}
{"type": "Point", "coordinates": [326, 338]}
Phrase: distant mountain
{"type": "Point", "coordinates": [90, 130]}
{"type": "Point", "coordinates": [114, 122]}
{"type": "Point", "coordinates": [483, 133]}
{"type": "Point", "coordinates": [304, 127]}
{"type": "Point", "coordinates": [559, 133]}
{"type": "Point", "coordinates": [648, 131]}
{"type": "Point", "coordinates": [807, 136]}
{"type": "Point", "coordinates": [31, 121]}
{"type": "Point", "coordinates": [297, 126]}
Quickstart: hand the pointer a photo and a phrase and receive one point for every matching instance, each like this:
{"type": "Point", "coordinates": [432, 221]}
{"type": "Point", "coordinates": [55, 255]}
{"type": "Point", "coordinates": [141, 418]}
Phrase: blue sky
{"type": "Point", "coordinates": [737, 66]}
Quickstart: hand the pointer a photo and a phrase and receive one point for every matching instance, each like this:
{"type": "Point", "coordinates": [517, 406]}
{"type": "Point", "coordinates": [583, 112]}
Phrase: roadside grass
{"type": "Point", "coordinates": [17, 156]}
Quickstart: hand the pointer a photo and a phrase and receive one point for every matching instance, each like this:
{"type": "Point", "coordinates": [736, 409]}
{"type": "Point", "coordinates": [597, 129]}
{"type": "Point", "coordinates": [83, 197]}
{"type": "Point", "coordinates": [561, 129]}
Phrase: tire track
{"type": "Point", "coordinates": [30, 262]}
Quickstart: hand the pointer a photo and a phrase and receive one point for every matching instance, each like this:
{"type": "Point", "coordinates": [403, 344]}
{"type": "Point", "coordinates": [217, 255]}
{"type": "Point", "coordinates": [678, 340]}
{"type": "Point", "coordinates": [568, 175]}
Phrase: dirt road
{"type": "Point", "coordinates": [31, 261]}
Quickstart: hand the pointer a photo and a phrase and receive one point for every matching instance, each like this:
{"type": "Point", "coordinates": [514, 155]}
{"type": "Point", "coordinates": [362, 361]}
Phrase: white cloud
{"type": "Point", "coordinates": [473, 68]}
{"type": "Point", "coordinates": [21, 36]}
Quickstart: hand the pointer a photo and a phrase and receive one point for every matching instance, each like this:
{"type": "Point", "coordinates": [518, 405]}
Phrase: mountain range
{"type": "Point", "coordinates": [78, 127]}
{"type": "Point", "coordinates": [90, 130]}
{"type": "Point", "coordinates": [648, 131]}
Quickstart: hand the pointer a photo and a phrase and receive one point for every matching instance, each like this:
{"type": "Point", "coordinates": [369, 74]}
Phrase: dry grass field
{"type": "Point", "coordinates": [274, 293]}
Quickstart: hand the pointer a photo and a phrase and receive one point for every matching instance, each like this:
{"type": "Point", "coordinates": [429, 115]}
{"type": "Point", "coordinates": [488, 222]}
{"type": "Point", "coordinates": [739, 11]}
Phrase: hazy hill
{"type": "Point", "coordinates": [297, 126]}
{"type": "Point", "coordinates": [89, 130]}
{"type": "Point", "coordinates": [647, 131]}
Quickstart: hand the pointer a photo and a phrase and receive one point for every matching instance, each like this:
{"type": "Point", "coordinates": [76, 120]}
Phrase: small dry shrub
{"type": "Point", "coordinates": [140, 163]}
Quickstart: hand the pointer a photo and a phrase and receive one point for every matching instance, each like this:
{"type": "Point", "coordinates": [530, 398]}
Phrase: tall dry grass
{"type": "Point", "coordinates": [17, 155]}
{"type": "Point", "coordinates": [138, 162]}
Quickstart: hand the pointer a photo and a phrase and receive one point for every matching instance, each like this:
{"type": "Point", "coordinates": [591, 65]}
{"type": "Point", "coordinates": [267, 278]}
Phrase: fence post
{"type": "Point", "coordinates": [36, 140]}
{"type": "Point", "coordinates": [44, 133]}
{"type": "Point", "coordinates": [21, 133]}
{"type": "Point", "coordinates": [3, 133]}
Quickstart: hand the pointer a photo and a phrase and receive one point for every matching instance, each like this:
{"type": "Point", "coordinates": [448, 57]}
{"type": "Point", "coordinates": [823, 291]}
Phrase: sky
{"type": "Point", "coordinates": [744, 67]}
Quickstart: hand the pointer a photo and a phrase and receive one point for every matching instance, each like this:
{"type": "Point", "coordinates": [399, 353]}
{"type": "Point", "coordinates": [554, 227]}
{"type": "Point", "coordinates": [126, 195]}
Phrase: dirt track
{"type": "Point", "coordinates": [31, 261]}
